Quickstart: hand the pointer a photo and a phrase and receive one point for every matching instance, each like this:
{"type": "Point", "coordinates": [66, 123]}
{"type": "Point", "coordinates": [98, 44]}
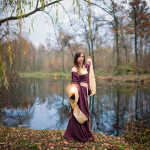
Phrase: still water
{"type": "Point", "coordinates": [43, 103]}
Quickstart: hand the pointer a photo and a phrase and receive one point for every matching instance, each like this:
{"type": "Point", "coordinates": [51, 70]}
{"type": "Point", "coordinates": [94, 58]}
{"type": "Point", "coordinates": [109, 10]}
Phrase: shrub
{"type": "Point", "coordinates": [137, 131]}
{"type": "Point", "coordinates": [115, 73]}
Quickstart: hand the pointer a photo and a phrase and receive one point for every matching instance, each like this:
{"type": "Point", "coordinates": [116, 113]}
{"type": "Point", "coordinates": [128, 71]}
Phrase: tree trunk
{"type": "Point", "coordinates": [117, 48]}
{"type": "Point", "coordinates": [63, 59]}
{"type": "Point", "coordinates": [135, 29]}
{"type": "Point", "coordinates": [124, 45]}
{"type": "Point", "coordinates": [145, 58]}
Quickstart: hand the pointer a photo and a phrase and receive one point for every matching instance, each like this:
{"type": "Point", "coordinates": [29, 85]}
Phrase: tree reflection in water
{"type": "Point", "coordinates": [110, 108]}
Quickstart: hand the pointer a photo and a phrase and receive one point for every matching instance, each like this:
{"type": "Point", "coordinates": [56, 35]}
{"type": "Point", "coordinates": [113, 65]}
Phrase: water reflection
{"type": "Point", "coordinates": [42, 103]}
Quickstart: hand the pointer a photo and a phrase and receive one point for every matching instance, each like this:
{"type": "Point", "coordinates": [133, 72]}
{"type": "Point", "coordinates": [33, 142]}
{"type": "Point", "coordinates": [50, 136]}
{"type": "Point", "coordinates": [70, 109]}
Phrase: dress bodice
{"type": "Point", "coordinates": [83, 78]}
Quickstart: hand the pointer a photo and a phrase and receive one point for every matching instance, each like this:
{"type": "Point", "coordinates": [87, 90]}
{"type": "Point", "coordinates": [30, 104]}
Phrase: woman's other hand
{"type": "Point", "coordinates": [89, 57]}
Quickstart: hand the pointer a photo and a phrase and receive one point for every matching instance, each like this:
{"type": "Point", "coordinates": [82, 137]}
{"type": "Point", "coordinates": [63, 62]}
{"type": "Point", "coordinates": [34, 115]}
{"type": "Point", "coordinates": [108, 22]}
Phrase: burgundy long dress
{"type": "Point", "coordinates": [75, 130]}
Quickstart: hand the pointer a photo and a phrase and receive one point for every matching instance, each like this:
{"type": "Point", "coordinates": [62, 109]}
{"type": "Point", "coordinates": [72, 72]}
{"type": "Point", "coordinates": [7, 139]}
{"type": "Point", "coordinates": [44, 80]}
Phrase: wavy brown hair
{"type": "Point", "coordinates": [76, 64]}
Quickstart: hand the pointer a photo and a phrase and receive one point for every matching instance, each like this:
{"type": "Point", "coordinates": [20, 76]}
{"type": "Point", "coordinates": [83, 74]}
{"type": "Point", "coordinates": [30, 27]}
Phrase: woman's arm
{"type": "Point", "coordinates": [92, 81]}
{"type": "Point", "coordinates": [87, 65]}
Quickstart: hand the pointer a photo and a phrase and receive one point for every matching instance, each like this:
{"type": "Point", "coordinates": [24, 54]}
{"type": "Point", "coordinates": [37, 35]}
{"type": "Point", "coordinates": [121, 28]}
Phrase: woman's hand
{"type": "Point", "coordinates": [89, 57]}
{"type": "Point", "coordinates": [73, 90]}
{"type": "Point", "coordinates": [70, 92]}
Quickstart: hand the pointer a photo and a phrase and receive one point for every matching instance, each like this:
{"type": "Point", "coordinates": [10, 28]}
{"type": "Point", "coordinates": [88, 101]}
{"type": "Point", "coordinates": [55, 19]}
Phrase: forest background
{"type": "Point", "coordinates": [114, 33]}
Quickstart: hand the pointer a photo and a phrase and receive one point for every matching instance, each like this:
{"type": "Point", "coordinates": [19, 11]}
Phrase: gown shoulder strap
{"type": "Point", "coordinates": [74, 69]}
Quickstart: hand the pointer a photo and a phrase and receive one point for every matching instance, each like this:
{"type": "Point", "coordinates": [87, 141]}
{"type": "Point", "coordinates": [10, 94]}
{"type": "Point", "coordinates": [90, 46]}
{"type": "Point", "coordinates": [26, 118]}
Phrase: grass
{"type": "Point", "coordinates": [102, 76]}
{"type": "Point", "coordinates": [19, 138]}
{"type": "Point", "coordinates": [145, 78]}
{"type": "Point", "coordinates": [44, 74]}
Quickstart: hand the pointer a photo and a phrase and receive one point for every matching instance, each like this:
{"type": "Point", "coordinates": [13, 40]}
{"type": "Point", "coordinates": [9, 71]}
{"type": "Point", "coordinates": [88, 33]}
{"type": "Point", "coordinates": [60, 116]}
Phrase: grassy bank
{"type": "Point", "coordinates": [144, 78]}
{"type": "Point", "coordinates": [43, 74]}
{"type": "Point", "coordinates": [19, 138]}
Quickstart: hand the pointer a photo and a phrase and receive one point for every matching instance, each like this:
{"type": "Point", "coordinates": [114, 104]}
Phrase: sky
{"type": "Point", "coordinates": [43, 27]}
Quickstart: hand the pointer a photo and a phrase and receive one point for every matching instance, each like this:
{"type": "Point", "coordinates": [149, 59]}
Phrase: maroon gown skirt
{"type": "Point", "coordinates": [75, 130]}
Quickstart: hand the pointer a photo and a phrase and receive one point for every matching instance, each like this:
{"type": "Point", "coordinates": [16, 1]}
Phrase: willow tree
{"type": "Point", "coordinates": [17, 10]}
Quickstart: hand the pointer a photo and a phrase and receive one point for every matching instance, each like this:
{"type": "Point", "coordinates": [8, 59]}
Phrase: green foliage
{"type": "Point", "coordinates": [34, 146]}
{"type": "Point", "coordinates": [122, 70]}
{"type": "Point", "coordinates": [45, 139]}
{"type": "Point", "coordinates": [44, 74]}
{"type": "Point", "coordinates": [137, 131]}
{"type": "Point", "coordinates": [131, 61]}
{"type": "Point", "coordinates": [114, 68]}
{"type": "Point", "coordinates": [23, 140]}
{"type": "Point", "coordinates": [102, 74]}
{"type": "Point", "coordinates": [1, 69]}
{"type": "Point", "coordinates": [115, 73]}
{"type": "Point", "coordinates": [129, 68]}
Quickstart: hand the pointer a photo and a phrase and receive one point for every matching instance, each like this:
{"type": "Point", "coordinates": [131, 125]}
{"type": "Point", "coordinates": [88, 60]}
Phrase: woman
{"type": "Point", "coordinates": [83, 84]}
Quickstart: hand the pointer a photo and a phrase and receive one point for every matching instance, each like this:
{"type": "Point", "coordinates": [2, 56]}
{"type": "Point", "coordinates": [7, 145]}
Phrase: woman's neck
{"type": "Point", "coordinates": [80, 66]}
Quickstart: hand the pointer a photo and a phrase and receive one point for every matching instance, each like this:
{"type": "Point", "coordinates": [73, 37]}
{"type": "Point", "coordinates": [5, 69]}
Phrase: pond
{"type": "Point", "coordinates": [43, 103]}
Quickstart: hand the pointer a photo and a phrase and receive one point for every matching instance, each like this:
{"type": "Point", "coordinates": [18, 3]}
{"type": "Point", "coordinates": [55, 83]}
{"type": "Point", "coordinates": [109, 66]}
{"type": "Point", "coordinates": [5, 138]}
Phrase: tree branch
{"type": "Point", "coordinates": [53, 27]}
{"type": "Point", "coordinates": [37, 4]}
{"type": "Point", "coordinates": [99, 7]}
{"type": "Point", "coordinates": [68, 17]}
{"type": "Point", "coordinates": [28, 14]}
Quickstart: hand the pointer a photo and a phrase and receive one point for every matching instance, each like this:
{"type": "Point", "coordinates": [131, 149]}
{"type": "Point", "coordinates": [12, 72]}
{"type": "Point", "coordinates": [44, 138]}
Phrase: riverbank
{"type": "Point", "coordinates": [126, 78]}
{"type": "Point", "coordinates": [145, 78]}
{"type": "Point", "coordinates": [19, 138]}
{"type": "Point", "coordinates": [43, 74]}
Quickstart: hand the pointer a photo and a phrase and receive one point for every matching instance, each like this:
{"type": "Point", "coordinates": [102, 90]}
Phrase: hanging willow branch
{"type": "Point", "coordinates": [28, 14]}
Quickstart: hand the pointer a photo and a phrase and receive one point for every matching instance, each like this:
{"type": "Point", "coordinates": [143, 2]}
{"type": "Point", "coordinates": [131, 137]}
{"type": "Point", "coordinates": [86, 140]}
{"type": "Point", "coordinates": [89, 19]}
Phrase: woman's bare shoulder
{"type": "Point", "coordinates": [73, 69]}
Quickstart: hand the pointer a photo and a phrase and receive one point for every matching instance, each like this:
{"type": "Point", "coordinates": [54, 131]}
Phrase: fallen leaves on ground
{"type": "Point", "coordinates": [26, 139]}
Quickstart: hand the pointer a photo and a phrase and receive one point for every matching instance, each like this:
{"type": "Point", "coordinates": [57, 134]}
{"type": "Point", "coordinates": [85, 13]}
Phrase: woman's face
{"type": "Point", "coordinates": [80, 58]}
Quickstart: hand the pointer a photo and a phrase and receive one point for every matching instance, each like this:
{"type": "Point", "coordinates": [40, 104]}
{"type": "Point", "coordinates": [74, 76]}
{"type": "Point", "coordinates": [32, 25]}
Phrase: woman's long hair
{"type": "Point", "coordinates": [76, 64]}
